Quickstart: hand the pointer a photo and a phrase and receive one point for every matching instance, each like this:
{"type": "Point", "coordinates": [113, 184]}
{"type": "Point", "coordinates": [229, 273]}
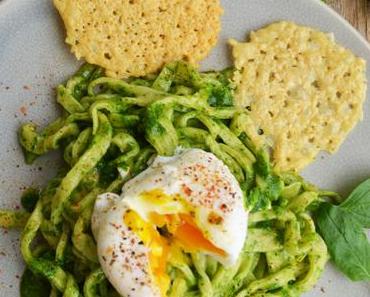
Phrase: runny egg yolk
{"type": "Point", "coordinates": [192, 239]}
{"type": "Point", "coordinates": [157, 245]}
{"type": "Point", "coordinates": [183, 235]}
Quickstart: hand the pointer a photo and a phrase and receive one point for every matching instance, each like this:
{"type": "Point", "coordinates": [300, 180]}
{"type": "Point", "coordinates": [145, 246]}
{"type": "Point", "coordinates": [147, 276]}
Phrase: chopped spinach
{"type": "Point", "coordinates": [33, 286]}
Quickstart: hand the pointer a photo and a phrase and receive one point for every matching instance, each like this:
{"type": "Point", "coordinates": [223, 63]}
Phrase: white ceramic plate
{"type": "Point", "coordinates": [34, 58]}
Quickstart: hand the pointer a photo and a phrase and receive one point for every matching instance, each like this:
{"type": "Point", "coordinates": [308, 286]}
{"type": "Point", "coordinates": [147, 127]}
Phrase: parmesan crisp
{"type": "Point", "coordinates": [304, 92]}
{"type": "Point", "coordinates": [137, 37]}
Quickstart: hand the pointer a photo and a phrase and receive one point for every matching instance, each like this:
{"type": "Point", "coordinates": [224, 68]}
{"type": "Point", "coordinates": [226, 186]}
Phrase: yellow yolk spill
{"type": "Point", "coordinates": [157, 245]}
{"type": "Point", "coordinates": [189, 235]}
{"type": "Point", "coordinates": [182, 226]}
{"type": "Point", "coordinates": [184, 235]}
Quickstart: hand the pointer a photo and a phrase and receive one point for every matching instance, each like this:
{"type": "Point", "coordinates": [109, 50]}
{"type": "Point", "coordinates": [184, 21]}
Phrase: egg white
{"type": "Point", "coordinates": [208, 191]}
{"type": "Point", "coordinates": [123, 257]}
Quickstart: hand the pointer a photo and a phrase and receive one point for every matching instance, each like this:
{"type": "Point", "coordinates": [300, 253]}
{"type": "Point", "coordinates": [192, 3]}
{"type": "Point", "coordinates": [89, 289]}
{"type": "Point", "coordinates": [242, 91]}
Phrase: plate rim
{"type": "Point", "coordinates": [344, 21]}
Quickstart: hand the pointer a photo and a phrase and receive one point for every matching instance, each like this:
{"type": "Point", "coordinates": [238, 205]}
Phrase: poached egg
{"type": "Point", "coordinates": [186, 203]}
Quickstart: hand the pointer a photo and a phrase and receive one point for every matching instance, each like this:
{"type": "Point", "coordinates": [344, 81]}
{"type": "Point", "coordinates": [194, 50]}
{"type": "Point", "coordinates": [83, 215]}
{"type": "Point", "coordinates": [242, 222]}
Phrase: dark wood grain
{"type": "Point", "coordinates": [357, 12]}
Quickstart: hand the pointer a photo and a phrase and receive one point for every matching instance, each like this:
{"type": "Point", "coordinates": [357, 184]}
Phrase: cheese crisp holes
{"type": "Point", "coordinates": [311, 85]}
{"type": "Point", "coordinates": [272, 76]}
{"type": "Point", "coordinates": [315, 84]}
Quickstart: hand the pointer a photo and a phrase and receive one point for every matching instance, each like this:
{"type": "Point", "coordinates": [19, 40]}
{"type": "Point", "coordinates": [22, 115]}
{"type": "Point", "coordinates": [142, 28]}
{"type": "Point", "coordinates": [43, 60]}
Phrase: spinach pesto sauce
{"type": "Point", "coordinates": [109, 130]}
{"type": "Point", "coordinates": [34, 286]}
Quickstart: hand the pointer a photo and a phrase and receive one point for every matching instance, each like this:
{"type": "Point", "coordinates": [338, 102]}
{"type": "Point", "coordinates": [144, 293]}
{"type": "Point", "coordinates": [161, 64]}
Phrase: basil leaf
{"type": "Point", "coordinates": [346, 241]}
{"type": "Point", "coordinates": [358, 204]}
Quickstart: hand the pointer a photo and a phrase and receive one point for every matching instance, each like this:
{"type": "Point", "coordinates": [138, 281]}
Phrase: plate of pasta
{"type": "Point", "coordinates": [133, 171]}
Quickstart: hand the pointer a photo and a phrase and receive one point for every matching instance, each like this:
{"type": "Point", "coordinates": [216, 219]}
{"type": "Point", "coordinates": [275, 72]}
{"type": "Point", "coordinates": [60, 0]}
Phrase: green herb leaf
{"type": "Point", "coordinates": [342, 228]}
{"type": "Point", "coordinates": [358, 204]}
{"type": "Point", "coordinates": [346, 241]}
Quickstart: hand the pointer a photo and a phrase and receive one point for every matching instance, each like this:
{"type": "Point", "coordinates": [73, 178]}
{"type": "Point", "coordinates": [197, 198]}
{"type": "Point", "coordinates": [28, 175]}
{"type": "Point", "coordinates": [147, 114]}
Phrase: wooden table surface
{"type": "Point", "coordinates": [357, 12]}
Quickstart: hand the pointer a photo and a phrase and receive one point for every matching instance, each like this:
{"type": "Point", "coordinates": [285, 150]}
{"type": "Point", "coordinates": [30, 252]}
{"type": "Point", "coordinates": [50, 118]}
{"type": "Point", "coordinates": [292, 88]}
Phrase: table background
{"type": "Point", "coordinates": [357, 12]}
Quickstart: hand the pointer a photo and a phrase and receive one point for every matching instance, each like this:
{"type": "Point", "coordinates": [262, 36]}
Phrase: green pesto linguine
{"type": "Point", "coordinates": [109, 130]}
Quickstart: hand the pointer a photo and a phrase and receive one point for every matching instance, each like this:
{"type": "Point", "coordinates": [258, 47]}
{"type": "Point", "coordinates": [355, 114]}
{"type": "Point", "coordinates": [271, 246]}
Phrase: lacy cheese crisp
{"type": "Point", "coordinates": [134, 38]}
{"type": "Point", "coordinates": [304, 92]}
